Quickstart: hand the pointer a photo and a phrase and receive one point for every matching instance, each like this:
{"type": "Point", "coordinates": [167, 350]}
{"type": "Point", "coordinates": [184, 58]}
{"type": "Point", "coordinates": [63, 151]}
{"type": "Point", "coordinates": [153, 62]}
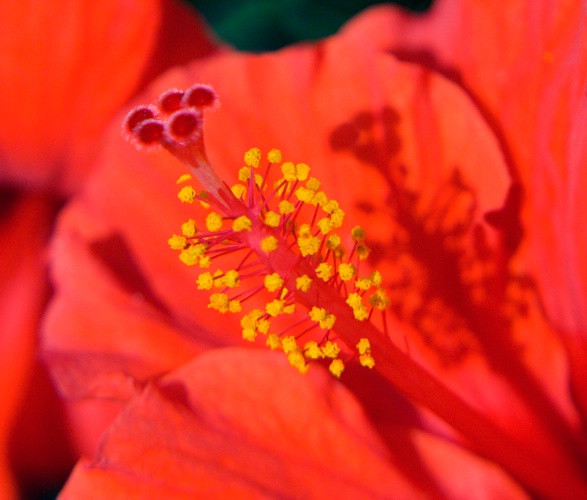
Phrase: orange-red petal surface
{"type": "Point", "coordinates": [409, 154]}
{"type": "Point", "coordinates": [23, 292]}
{"type": "Point", "coordinates": [529, 79]}
{"type": "Point", "coordinates": [239, 422]}
{"type": "Point", "coordinates": [67, 67]}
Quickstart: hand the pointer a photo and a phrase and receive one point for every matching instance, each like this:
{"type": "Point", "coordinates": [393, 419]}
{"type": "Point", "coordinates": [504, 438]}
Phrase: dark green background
{"type": "Point", "coordinates": [257, 25]}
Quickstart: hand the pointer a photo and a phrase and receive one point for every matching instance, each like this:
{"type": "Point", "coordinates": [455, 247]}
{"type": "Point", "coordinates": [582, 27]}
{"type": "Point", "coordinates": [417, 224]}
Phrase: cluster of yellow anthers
{"type": "Point", "coordinates": [278, 239]}
{"type": "Point", "coordinates": [279, 209]}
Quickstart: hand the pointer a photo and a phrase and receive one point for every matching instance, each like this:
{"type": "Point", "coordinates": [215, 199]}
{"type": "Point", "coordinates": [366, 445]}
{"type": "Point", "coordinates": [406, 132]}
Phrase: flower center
{"type": "Point", "coordinates": [268, 243]}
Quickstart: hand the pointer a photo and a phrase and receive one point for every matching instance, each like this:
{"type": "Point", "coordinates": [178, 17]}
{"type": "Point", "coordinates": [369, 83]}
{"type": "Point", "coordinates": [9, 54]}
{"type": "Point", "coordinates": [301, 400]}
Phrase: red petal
{"type": "Point", "coordinates": [68, 66]}
{"type": "Point", "coordinates": [421, 143]}
{"type": "Point", "coordinates": [530, 79]}
{"type": "Point", "coordinates": [241, 422]}
{"type": "Point", "coordinates": [103, 336]}
{"type": "Point", "coordinates": [23, 292]}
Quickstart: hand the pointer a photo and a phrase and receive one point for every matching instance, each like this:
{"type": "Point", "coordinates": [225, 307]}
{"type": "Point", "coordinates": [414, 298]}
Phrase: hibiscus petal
{"type": "Point", "coordinates": [68, 66]}
{"type": "Point", "coordinates": [102, 339]}
{"type": "Point", "coordinates": [421, 167]}
{"type": "Point", "coordinates": [242, 422]}
{"type": "Point", "coordinates": [529, 79]}
{"type": "Point", "coordinates": [23, 293]}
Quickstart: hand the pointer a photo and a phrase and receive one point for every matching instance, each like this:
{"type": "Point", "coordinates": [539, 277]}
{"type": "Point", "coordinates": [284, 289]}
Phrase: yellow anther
{"type": "Point", "coordinates": [288, 169]}
{"type": "Point", "coordinates": [305, 195]}
{"type": "Point", "coordinates": [204, 205]}
{"type": "Point", "coordinates": [336, 367]}
{"type": "Point", "coordinates": [317, 313]}
{"type": "Point", "coordinates": [359, 309]}
{"type": "Point", "coordinates": [249, 320]}
{"type": "Point", "coordinates": [244, 174]}
{"type": "Point", "coordinates": [234, 306]}
{"type": "Point", "coordinates": [286, 207]}
{"type": "Point", "coordinates": [363, 284]}
{"type": "Point", "coordinates": [363, 346]}
{"type": "Point", "coordinates": [231, 279]}
{"type": "Point", "coordinates": [213, 222]}
{"type": "Point", "coordinates": [330, 206]}
{"type": "Point", "coordinates": [330, 349]}
{"type": "Point", "coordinates": [313, 184]}
{"type": "Point", "coordinates": [293, 172]}
{"type": "Point", "coordinates": [188, 228]}
{"type": "Point", "coordinates": [379, 299]}
{"type": "Point", "coordinates": [219, 301]}
{"type": "Point", "coordinates": [177, 242]}
{"type": "Point", "coordinates": [190, 255]}
{"type": "Point", "coordinates": [275, 307]}
{"type": "Point", "coordinates": [249, 334]}
{"type": "Point", "coordinates": [259, 180]}
{"type": "Point", "coordinates": [273, 341]}
{"type": "Point", "coordinates": [363, 250]}
{"type": "Point", "coordinates": [333, 242]}
{"type": "Point", "coordinates": [324, 271]}
{"type": "Point", "coordinates": [320, 199]}
{"type": "Point", "coordinates": [269, 244]}
{"type": "Point", "coordinates": [289, 309]}
{"type": "Point", "coordinates": [312, 350]}
{"type": "Point", "coordinates": [289, 344]}
{"type": "Point", "coordinates": [242, 223]}
{"type": "Point", "coordinates": [205, 281]}
{"type": "Point", "coordinates": [325, 225]}
{"type": "Point", "coordinates": [273, 282]}
{"type": "Point", "coordinates": [358, 233]}
{"type": "Point", "coordinates": [183, 178]}
{"type": "Point", "coordinates": [263, 326]}
{"type": "Point", "coordinates": [337, 217]}
{"type": "Point", "coordinates": [187, 194]}
{"type": "Point", "coordinates": [304, 230]}
{"type": "Point", "coordinates": [308, 245]}
{"type": "Point", "coordinates": [366, 360]}
{"type": "Point", "coordinates": [239, 191]}
{"type": "Point", "coordinates": [302, 171]}
{"type": "Point", "coordinates": [303, 283]}
{"type": "Point", "coordinates": [347, 271]}
{"type": "Point", "coordinates": [272, 219]}
{"type": "Point", "coordinates": [376, 278]}
{"type": "Point", "coordinates": [205, 261]}
{"type": "Point", "coordinates": [323, 317]}
{"type": "Point", "coordinates": [253, 157]}
{"type": "Point", "coordinates": [252, 323]}
{"type": "Point", "coordinates": [274, 156]}
{"type": "Point", "coordinates": [296, 359]}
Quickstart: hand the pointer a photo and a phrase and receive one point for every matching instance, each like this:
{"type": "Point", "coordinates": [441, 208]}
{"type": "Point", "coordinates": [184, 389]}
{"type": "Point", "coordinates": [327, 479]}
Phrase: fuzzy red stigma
{"type": "Point", "coordinates": [200, 96]}
{"type": "Point", "coordinates": [170, 101]}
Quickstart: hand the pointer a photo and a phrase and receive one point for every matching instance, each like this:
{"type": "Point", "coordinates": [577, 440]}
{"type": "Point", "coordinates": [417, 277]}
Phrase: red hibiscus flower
{"type": "Point", "coordinates": [411, 138]}
{"type": "Point", "coordinates": [67, 67]}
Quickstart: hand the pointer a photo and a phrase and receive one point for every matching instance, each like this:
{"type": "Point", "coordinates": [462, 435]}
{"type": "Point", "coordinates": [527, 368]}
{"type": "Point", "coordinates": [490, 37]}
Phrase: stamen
{"type": "Point", "coordinates": [287, 236]}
